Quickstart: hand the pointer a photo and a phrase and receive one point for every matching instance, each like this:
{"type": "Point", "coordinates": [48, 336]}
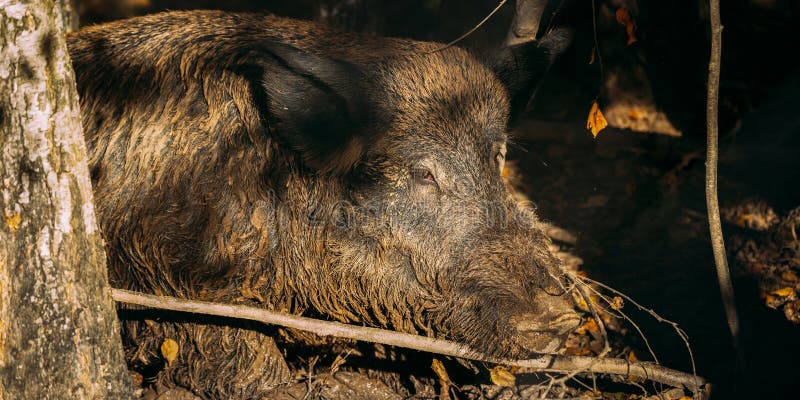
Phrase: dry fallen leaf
{"type": "Point", "coordinates": [783, 292]}
{"type": "Point", "coordinates": [624, 18]}
{"type": "Point", "coordinates": [589, 326]}
{"type": "Point", "coordinates": [169, 350]}
{"type": "Point", "coordinates": [444, 379]}
{"type": "Point", "coordinates": [596, 121]}
{"type": "Point", "coordinates": [501, 377]}
{"type": "Point", "coordinates": [440, 371]}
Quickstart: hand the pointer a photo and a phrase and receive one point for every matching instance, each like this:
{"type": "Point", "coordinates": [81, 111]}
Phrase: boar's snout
{"type": "Point", "coordinates": [546, 327]}
{"type": "Point", "coordinates": [546, 331]}
{"type": "Point", "coordinates": [517, 288]}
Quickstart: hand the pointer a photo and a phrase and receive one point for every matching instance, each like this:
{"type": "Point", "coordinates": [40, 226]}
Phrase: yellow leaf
{"type": "Point", "coordinates": [589, 326]}
{"type": "Point", "coordinates": [169, 350]}
{"type": "Point", "coordinates": [440, 371]}
{"type": "Point", "coordinates": [771, 301]}
{"type": "Point", "coordinates": [632, 356]}
{"type": "Point", "coordinates": [685, 398]}
{"type": "Point", "coordinates": [444, 379]}
{"type": "Point", "coordinates": [596, 121]}
{"type": "Point", "coordinates": [13, 221]}
{"type": "Point", "coordinates": [783, 292]}
{"type": "Point", "coordinates": [501, 377]}
{"type": "Point", "coordinates": [623, 17]}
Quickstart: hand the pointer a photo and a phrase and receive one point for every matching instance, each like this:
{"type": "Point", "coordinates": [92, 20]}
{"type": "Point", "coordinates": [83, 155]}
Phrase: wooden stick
{"type": "Point", "coordinates": [712, 201]}
{"type": "Point", "coordinates": [548, 362]}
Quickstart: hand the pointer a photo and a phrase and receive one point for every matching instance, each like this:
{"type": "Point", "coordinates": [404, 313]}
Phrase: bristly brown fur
{"type": "Point", "coordinates": [255, 159]}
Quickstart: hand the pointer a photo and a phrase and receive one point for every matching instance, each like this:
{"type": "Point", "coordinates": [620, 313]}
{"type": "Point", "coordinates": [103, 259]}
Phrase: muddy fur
{"type": "Point", "coordinates": [259, 160]}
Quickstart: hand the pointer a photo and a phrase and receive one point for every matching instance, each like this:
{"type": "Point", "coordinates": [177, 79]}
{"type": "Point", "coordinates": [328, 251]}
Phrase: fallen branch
{"type": "Point", "coordinates": [548, 362]}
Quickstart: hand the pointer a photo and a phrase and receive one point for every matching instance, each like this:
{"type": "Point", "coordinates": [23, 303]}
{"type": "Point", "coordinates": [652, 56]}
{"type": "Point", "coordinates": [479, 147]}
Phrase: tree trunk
{"type": "Point", "coordinates": [69, 14]}
{"type": "Point", "coordinates": [525, 25]}
{"type": "Point", "coordinates": [59, 334]}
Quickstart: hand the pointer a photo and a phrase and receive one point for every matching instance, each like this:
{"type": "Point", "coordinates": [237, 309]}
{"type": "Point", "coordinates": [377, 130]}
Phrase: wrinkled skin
{"type": "Point", "coordinates": [266, 161]}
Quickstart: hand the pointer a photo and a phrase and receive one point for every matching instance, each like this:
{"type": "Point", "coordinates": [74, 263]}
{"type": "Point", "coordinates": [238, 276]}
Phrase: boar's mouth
{"type": "Point", "coordinates": [512, 300]}
{"type": "Point", "coordinates": [501, 331]}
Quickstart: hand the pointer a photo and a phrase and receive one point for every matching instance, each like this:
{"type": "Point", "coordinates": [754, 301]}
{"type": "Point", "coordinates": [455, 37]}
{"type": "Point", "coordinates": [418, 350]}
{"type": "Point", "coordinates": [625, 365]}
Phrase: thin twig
{"type": "Point", "coordinates": [603, 333]}
{"type": "Point", "coordinates": [469, 32]}
{"type": "Point", "coordinates": [601, 326]}
{"type": "Point", "coordinates": [597, 49]}
{"type": "Point", "coordinates": [712, 201]}
{"type": "Point", "coordinates": [681, 333]}
{"type": "Point", "coordinates": [545, 363]}
{"type": "Point", "coordinates": [629, 319]}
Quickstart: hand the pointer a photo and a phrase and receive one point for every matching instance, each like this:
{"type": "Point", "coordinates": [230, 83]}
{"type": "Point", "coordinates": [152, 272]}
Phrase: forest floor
{"type": "Point", "coordinates": [636, 204]}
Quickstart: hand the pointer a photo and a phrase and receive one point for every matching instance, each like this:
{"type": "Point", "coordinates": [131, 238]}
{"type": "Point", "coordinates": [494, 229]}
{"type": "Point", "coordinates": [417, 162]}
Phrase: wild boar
{"type": "Point", "coordinates": [260, 160]}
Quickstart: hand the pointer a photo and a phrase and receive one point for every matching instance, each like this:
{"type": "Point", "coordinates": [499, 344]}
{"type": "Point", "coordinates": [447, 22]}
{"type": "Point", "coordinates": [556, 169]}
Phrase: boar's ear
{"type": "Point", "coordinates": [320, 106]}
{"type": "Point", "coordinates": [521, 67]}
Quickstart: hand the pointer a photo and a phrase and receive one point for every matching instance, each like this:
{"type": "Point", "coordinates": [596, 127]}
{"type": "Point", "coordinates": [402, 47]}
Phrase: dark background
{"type": "Point", "coordinates": [634, 199]}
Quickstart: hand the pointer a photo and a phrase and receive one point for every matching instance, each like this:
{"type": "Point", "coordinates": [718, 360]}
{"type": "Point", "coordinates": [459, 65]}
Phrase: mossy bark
{"type": "Point", "coordinates": [59, 334]}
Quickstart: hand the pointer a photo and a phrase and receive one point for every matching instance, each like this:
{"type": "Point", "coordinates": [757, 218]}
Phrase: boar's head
{"type": "Point", "coordinates": [419, 232]}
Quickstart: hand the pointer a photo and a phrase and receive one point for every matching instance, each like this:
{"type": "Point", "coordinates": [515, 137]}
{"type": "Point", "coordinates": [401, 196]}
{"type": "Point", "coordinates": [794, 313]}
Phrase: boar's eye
{"type": "Point", "coordinates": [424, 176]}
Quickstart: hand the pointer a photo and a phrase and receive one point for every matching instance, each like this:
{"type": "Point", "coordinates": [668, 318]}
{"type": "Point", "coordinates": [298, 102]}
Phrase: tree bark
{"type": "Point", "coordinates": [69, 14]}
{"type": "Point", "coordinates": [59, 334]}
{"type": "Point", "coordinates": [525, 25]}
